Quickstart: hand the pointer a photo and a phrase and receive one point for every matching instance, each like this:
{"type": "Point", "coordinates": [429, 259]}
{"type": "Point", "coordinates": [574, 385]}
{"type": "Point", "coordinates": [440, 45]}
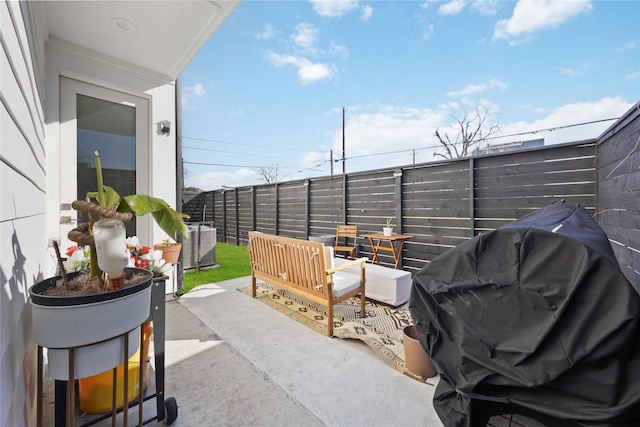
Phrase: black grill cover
{"type": "Point", "coordinates": [537, 316]}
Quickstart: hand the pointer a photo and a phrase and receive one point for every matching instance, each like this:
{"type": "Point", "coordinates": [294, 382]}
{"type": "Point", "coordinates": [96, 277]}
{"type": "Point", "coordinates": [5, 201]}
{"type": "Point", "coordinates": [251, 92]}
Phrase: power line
{"type": "Point", "coordinates": [228, 152]}
{"type": "Point", "coordinates": [555, 128]}
{"type": "Point", "coordinates": [237, 143]}
{"type": "Point", "coordinates": [532, 132]}
{"type": "Point", "coordinates": [220, 164]}
{"type": "Point", "coordinates": [231, 165]}
{"type": "Point", "coordinates": [221, 142]}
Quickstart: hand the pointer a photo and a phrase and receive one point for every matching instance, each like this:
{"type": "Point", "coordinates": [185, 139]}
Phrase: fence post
{"type": "Point", "coordinates": [307, 207]}
{"type": "Point", "coordinates": [235, 203]}
{"type": "Point", "coordinates": [224, 216]}
{"type": "Point", "coordinates": [344, 199]}
{"type": "Point", "coordinates": [276, 216]}
{"type": "Point", "coordinates": [212, 206]}
{"type": "Point", "coordinates": [253, 208]}
{"type": "Point", "coordinates": [397, 174]}
{"type": "Point", "coordinates": [472, 198]}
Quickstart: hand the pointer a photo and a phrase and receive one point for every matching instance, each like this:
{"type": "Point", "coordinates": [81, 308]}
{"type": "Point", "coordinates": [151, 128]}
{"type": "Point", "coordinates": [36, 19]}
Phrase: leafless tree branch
{"type": "Point", "coordinates": [472, 130]}
{"type": "Point", "coordinates": [268, 174]}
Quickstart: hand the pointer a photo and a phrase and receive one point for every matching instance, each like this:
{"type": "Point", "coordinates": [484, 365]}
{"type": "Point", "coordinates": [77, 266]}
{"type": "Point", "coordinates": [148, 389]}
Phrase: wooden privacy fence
{"type": "Point", "coordinates": [442, 204]}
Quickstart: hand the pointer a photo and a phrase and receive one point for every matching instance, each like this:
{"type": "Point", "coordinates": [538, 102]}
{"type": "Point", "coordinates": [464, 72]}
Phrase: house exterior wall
{"type": "Point", "coordinates": [32, 65]}
{"type": "Point", "coordinates": [23, 245]}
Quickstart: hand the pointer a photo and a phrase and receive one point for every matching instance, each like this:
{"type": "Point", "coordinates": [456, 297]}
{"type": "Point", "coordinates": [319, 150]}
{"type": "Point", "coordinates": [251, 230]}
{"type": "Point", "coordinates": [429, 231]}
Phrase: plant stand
{"type": "Point", "coordinates": [166, 409]}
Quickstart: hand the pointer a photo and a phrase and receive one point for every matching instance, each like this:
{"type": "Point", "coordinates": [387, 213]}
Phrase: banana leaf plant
{"type": "Point", "coordinates": [110, 204]}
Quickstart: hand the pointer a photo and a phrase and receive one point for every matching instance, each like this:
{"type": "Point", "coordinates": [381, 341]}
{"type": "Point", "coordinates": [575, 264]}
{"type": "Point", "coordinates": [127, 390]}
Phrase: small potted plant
{"type": "Point", "coordinates": [388, 230]}
{"type": "Point", "coordinates": [170, 250]}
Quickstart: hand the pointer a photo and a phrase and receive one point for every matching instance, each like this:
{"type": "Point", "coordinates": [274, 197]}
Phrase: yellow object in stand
{"type": "Point", "coordinates": [96, 392]}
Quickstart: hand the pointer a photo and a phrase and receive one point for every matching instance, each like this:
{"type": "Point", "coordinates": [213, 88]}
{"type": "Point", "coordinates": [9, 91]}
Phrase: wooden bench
{"type": "Point", "coordinates": [304, 268]}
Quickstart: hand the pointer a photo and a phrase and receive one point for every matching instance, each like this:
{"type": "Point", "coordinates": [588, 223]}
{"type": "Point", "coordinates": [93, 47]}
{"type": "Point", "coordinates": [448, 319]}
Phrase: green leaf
{"type": "Point", "coordinates": [169, 220]}
{"type": "Point", "coordinates": [111, 196]}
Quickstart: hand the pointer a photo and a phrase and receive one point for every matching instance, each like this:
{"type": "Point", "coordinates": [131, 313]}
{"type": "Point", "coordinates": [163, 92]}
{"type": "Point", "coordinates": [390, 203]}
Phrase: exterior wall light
{"type": "Point", "coordinates": [164, 127]}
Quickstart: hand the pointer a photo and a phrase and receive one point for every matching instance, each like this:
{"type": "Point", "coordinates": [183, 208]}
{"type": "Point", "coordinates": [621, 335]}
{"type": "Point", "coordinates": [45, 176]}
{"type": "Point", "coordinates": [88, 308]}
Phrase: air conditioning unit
{"type": "Point", "coordinates": [200, 250]}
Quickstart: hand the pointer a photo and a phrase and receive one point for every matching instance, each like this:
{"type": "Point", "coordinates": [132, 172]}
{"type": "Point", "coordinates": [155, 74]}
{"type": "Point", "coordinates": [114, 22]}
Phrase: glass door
{"type": "Point", "coordinates": [116, 125]}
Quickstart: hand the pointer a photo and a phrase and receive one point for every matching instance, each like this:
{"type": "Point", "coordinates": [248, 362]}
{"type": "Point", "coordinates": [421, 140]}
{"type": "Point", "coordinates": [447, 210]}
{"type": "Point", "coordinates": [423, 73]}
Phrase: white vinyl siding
{"type": "Point", "coordinates": [22, 210]}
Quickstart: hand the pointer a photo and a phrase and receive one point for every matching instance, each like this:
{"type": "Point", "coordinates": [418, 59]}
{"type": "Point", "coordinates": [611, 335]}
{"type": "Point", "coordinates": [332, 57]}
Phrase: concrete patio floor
{"type": "Point", "coordinates": [233, 361]}
{"type": "Point", "coordinates": [261, 368]}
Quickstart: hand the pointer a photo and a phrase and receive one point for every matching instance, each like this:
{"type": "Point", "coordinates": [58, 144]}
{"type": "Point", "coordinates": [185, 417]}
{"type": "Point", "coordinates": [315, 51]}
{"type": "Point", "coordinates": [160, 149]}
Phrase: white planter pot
{"type": "Point", "coordinates": [91, 359]}
{"type": "Point", "coordinates": [92, 325]}
{"type": "Point", "coordinates": [387, 231]}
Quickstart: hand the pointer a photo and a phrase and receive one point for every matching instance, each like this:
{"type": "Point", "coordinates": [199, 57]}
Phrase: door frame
{"type": "Point", "coordinates": [69, 87]}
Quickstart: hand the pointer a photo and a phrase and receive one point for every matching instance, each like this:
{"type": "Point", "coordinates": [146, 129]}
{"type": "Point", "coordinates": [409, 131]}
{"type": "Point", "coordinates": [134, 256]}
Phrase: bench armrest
{"type": "Point", "coordinates": [362, 260]}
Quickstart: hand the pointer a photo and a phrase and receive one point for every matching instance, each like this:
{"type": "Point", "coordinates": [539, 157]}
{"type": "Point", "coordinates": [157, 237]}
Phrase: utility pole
{"type": "Point", "coordinates": [343, 155]}
{"type": "Point", "coordinates": [331, 161]}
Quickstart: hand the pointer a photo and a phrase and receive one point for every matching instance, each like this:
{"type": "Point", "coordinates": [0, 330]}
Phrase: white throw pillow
{"type": "Point", "coordinates": [328, 257]}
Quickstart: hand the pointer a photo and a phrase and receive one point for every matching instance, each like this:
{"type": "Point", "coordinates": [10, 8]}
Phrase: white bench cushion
{"type": "Point", "coordinates": [344, 282]}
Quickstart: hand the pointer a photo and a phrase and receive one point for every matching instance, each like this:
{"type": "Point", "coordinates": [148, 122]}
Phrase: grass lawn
{"type": "Point", "coordinates": [233, 262]}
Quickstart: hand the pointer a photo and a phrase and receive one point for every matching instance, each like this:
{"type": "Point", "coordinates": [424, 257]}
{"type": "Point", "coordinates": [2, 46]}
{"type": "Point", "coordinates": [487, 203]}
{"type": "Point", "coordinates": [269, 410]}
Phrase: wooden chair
{"type": "Point", "coordinates": [344, 233]}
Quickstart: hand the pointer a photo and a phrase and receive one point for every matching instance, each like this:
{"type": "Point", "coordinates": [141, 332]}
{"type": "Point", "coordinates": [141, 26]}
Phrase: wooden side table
{"type": "Point", "coordinates": [376, 240]}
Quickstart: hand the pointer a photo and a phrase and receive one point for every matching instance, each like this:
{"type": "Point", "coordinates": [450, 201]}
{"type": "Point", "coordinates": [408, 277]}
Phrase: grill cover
{"type": "Point", "coordinates": [535, 316]}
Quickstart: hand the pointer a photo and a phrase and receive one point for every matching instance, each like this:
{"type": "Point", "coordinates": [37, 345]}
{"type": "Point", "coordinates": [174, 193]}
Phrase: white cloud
{"type": "Point", "coordinates": [308, 72]}
{"type": "Point", "coordinates": [485, 7]}
{"type": "Point", "coordinates": [333, 8]}
{"type": "Point", "coordinates": [267, 32]}
{"type": "Point", "coordinates": [316, 160]}
{"type": "Point", "coordinates": [306, 36]}
{"type": "Point", "coordinates": [531, 16]}
{"type": "Point", "coordinates": [426, 4]}
{"type": "Point", "coordinates": [632, 76]}
{"type": "Point", "coordinates": [562, 116]}
{"type": "Point", "coordinates": [479, 87]}
{"type": "Point", "coordinates": [198, 89]}
{"type": "Point", "coordinates": [452, 8]}
{"type": "Point", "coordinates": [215, 180]}
{"type": "Point", "coordinates": [374, 129]}
{"type": "Point", "coordinates": [238, 111]}
{"type": "Point", "coordinates": [367, 12]}
{"type": "Point", "coordinates": [625, 47]}
{"type": "Point", "coordinates": [570, 71]}
{"type": "Point", "coordinates": [190, 94]}
{"type": "Point", "coordinates": [575, 71]}
{"type": "Point", "coordinates": [407, 132]}
{"type": "Point", "coordinates": [339, 50]}
{"type": "Point", "coordinates": [428, 32]}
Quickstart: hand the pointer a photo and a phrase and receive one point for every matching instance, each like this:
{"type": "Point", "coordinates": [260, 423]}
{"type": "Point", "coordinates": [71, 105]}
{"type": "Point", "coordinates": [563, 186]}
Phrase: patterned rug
{"type": "Point", "coordinates": [381, 328]}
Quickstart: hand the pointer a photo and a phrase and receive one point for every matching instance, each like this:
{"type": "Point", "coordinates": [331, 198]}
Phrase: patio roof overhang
{"type": "Point", "coordinates": [157, 37]}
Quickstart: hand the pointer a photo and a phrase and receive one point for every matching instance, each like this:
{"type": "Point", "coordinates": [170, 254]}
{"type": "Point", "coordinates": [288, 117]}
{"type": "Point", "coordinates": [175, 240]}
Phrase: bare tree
{"type": "Point", "coordinates": [268, 174]}
{"type": "Point", "coordinates": [472, 130]}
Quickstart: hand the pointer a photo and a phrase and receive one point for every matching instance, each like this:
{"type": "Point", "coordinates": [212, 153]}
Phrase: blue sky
{"type": "Point", "coordinates": [268, 89]}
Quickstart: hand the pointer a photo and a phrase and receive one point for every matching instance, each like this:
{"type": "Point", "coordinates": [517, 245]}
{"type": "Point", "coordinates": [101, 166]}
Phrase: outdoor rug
{"type": "Point", "coordinates": [381, 328]}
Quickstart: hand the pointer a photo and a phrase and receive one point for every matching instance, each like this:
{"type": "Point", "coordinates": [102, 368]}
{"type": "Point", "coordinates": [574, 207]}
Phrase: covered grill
{"type": "Point", "coordinates": [534, 318]}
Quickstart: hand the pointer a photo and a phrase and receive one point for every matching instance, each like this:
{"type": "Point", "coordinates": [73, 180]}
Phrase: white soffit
{"type": "Point", "coordinates": [161, 36]}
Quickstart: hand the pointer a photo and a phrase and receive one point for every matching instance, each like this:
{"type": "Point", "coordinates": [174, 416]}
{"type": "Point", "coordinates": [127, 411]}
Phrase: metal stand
{"type": "Point", "coordinates": [166, 410]}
